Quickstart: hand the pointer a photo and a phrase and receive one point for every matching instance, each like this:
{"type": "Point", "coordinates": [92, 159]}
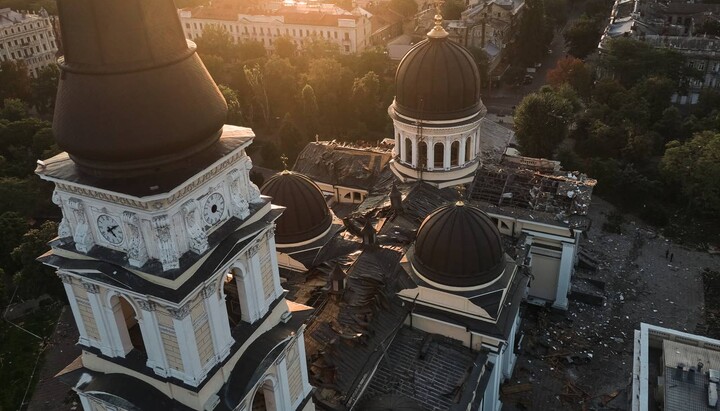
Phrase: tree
{"type": "Point", "coordinates": [44, 89]}
{"type": "Point", "coordinates": [582, 37]}
{"type": "Point", "coordinates": [452, 9]}
{"type": "Point", "coordinates": [13, 225]}
{"type": "Point", "coordinates": [541, 122]}
{"type": "Point", "coordinates": [310, 110]}
{"type": "Point", "coordinates": [557, 12]}
{"type": "Point", "coordinates": [405, 7]}
{"type": "Point", "coordinates": [331, 83]}
{"type": "Point", "coordinates": [483, 64]}
{"type": "Point", "coordinates": [533, 33]}
{"type": "Point", "coordinates": [285, 47]}
{"type": "Point", "coordinates": [255, 79]}
{"type": "Point", "coordinates": [573, 72]}
{"type": "Point", "coordinates": [281, 83]}
{"type": "Point", "coordinates": [657, 91]}
{"type": "Point", "coordinates": [366, 100]}
{"type": "Point", "coordinates": [34, 278]}
{"type": "Point", "coordinates": [234, 114]}
{"type": "Point", "coordinates": [14, 80]}
{"type": "Point", "coordinates": [13, 109]}
{"type": "Point", "coordinates": [249, 50]}
{"type": "Point", "coordinates": [709, 27]}
{"type": "Point", "coordinates": [216, 41]}
{"type": "Point", "coordinates": [630, 60]}
{"type": "Point", "coordinates": [695, 166]}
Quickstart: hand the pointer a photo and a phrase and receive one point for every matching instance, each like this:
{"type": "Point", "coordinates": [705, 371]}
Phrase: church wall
{"type": "Point", "coordinates": [294, 373]}
{"type": "Point", "coordinates": [266, 271]}
{"type": "Point", "coordinates": [169, 340]}
{"type": "Point", "coordinates": [453, 331]}
{"type": "Point", "coordinates": [86, 314]}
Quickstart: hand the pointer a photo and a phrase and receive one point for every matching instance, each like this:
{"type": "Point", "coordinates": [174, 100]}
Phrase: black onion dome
{"type": "Point", "coordinates": [133, 94]}
{"type": "Point", "coordinates": [437, 80]}
{"type": "Point", "coordinates": [459, 246]}
{"type": "Point", "coordinates": [307, 214]}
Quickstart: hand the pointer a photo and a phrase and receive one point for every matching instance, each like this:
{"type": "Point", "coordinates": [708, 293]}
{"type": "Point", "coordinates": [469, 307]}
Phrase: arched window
{"type": "Point", "coordinates": [232, 297]}
{"type": "Point", "coordinates": [422, 154]}
{"type": "Point", "coordinates": [455, 153]}
{"type": "Point", "coordinates": [127, 324]}
{"type": "Point", "coordinates": [468, 149]}
{"type": "Point", "coordinates": [265, 397]}
{"type": "Point", "coordinates": [408, 150]}
{"type": "Point", "coordinates": [439, 155]}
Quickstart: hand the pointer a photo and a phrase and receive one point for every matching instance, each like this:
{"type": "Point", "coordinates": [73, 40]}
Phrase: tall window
{"type": "Point", "coordinates": [439, 155]}
{"type": "Point", "coordinates": [232, 297]}
{"type": "Point", "coordinates": [127, 324]}
{"type": "Point", "coordinates": [468, 149]}
{"type": "Point", "coordinates": [455, 153]}
{"type": "Point", "coordinates": [422, 154]}
{"type": "Point", "coordinates": [408, 150]}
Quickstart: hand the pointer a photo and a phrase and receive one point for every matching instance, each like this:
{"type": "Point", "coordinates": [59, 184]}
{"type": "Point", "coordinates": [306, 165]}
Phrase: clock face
{"type": "Point", "coordinates": [110, 229]}
{"type": "Point", "coordinates": [214, 208]}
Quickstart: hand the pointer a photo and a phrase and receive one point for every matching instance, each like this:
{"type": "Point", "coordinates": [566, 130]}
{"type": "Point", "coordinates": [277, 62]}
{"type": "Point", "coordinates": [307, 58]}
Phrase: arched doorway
{"type": "Point", "coordinates": [265, 397]}
{"type": "Point", "coordinates": [128, 326]}
{"type": "Point", "coordinates": [232, 297]}
{"type": "Point", "coordinates": [468, 149]}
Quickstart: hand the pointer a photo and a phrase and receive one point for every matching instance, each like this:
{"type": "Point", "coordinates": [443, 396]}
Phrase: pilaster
{"type": "Point", "coordinates": [274, 262]}
{"type": "Point", "coordinates": [303, 361]}
{"type": "Point", "coordinates": [461, 151]}
{"type": "Point", "coordinates": [566, 266]}
{"type": "Point", "coordinates": [255, 272]}
{"type": "Point", "coordinates": [106, 343]}
{"type": "Point", "coordinates": [150, 329]}
{"type": "Point", "coordinates": [283, 383]}
{"type": "Point", "coordinates": [185, 333]}
{"type": "Point", "coordinates": [67, 283]}
{"type": "Point", "coordinates": [218, 318]}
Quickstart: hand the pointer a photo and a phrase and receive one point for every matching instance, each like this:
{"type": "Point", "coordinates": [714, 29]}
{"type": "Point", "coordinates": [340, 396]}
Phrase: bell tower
{"type": "Point", "coordinates": [166, 248]}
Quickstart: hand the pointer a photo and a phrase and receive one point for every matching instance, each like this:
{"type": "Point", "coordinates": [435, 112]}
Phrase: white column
{"type": "Point", "coordinates": [447, 148]}
{"type": "Point", "coordinates": [403, 157]}
{"type": "Point", "coordinates": [249, 305]}
{"type": "Point", "coordinates": [303, 361]}
{"type": "Point", "coordinates": [185, 333]}
{"type": "Point", "coordinates": [415, 153]}
{"type": "Point", "coordinates": [84, 401]}
{"type": "Point", "coordinates": [150, 329]}
{"type": "Point", "coordinates": [121, 337]}
{"type": "Point", "coordinates": [491, 402]}
{"type": "Point", "coordinates": [255, 272]}
{"type": "Point", "coordinates": [274, 262]}
{"type": "Point", "coordinates": [67, 283]}
{"type": "Point", "coordinates": [219, 324]}
{"type": "Point", "coordinates": [462, 143]}
{"type": "Point", "coordinates": [283, 383]}
{"type": "Point", "coordinates": [566, 266]}
{"type": "Point", "coordinates": [106, 343]}
{"type": "Point", "coordinates": [430, 154]}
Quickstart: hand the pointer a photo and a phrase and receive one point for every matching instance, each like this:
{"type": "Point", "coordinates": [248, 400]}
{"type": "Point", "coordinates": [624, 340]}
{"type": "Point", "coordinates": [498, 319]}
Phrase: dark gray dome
{"type": "Point", "coordinates": [307, 214]}
{"type": "Point", "coordinates": [133, 94]}
{"type": "Point", "coordinates": [458, 245]}
{"type": "Point", "coordinates": [437, 80]}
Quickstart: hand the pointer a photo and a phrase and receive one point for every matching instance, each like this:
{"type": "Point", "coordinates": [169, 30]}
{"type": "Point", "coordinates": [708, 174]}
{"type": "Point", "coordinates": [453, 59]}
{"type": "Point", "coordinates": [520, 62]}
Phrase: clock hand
{"type": "Point", "coordinates": [112, 229]}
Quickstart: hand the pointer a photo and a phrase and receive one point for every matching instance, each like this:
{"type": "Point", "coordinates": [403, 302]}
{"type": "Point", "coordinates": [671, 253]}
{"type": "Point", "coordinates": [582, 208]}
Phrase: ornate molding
{"type": "Point", "coordinates": [196, 234]}
{"type": "Point", "coordinates": [66, 278]}
{"type": "Point", "coordinates": [238, 194]}
{"type": "Point", "coordinates": [136, 248]}
{"type": "Point", "coordinates": [252, 189]}
{"type": "Point", "coordinates": [64, 227]}
{"type": "Point", "coordinates": [253, 250]}
{"type": "Point", "coordinates": [146, 305]}
{"type": "Point", "coordinates": [129, 201]}
{"type": "Point", "coordinates": [83, 236]}
{"type": "Point", "coordinates": [91, 288]}
{"type": "Point", "coordinates": [208, 291]}
{"type": "Point", "coordinates": [166, 243]}
{"type": "Point", "coordinates": [180, 313]}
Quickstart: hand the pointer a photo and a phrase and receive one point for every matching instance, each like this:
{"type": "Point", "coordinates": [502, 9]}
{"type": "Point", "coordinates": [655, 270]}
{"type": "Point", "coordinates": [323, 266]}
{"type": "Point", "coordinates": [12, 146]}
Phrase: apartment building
{"type": "Point", "coordinates": [351, 31]}
{"type": "Point", "coordinates": [27, 37]}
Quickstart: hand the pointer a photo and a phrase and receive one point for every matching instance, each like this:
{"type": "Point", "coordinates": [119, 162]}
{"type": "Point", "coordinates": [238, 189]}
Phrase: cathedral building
{"type": "Point", "coordinates": [166, 248]}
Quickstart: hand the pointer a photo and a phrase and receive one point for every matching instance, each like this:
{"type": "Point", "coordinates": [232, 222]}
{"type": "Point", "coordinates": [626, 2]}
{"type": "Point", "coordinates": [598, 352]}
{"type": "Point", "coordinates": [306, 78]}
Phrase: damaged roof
{"type": "Point", "coordinates": [342, 164]}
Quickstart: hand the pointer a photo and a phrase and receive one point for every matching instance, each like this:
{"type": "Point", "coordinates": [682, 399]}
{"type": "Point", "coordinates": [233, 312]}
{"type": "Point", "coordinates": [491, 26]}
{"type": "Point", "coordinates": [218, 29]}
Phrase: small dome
{"type": "Point", "coordinates": [458, 245]}
{"type": "Point", "coordinates": [437, 80]}
{"type": "Point", "coordinates": [307, 215]}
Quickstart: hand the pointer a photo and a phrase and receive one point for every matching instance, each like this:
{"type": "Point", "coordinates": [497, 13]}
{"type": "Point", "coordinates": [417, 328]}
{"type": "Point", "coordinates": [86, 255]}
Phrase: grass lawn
{"type": "Point", "coordinates": [19, 351]}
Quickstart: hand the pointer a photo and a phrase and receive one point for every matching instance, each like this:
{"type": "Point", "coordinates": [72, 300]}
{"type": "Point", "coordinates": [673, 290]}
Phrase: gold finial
{"type": "Point", "coordinates": [438, 32]}
{"type": "Point", "coordinates": [284, 160]}
{"type": "Point", "coordinates": [460, 189]}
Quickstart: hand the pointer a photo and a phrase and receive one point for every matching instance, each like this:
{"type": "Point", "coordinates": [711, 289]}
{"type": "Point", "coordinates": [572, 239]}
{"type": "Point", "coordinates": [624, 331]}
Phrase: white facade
{"type": "Point", "coordinates": [350, 31]}
{"type": "Point", "coordinates": [28, 38]}
{"type": "Point", "coordinates": [186, 337]}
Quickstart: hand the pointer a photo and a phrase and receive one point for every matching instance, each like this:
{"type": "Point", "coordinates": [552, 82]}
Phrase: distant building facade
{"type": "Point", "coordinates": [351, 31]}
{"type": "Point", "coordinates": [27, 37]}
{"type": "Point", "coordinates": [672, 26]}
